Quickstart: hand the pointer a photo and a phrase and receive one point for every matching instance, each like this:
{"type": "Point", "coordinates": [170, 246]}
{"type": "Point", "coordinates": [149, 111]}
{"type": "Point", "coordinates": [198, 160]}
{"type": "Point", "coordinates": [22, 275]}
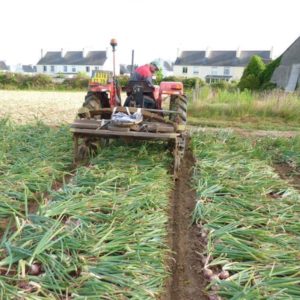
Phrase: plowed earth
{"type": "Point", "coordinates": [187, 281]}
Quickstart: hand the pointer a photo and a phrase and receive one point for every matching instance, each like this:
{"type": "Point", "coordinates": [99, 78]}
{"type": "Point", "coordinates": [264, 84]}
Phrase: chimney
{"type": "Point", "coordinates": [207, 52]}
{"type": "Point", "coordinates": [178, 52]}
{"type": "Point", "coordinates": [62, 52]}
{"type": "Point", "coordinates": [271, 52]}
{"type": "Point", "coordinates": [42, 53]}
{"type": "Point", "coordinates": [238, 53]}
{"type": "Point", "coordinates": [84, 52]}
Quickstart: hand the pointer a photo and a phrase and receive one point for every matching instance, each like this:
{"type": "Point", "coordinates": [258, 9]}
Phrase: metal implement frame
{"type": "Point", "coordinates": [179, 140]}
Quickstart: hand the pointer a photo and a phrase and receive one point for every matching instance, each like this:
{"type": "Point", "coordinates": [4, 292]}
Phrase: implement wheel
{"type": "Point", "coordinates": [178, 152]}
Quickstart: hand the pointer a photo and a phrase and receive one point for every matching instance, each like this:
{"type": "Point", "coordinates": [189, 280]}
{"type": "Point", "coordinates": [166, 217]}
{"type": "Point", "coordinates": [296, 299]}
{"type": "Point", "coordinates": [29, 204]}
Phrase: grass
{"type": "Point", "coordinates": [273, 110]}
{"type": "Point", "coordinates": [250, 214]}
{"type": "Point", "coordinates": [102, 235]}
{"type": "Point", "coordinates": [32, 158]}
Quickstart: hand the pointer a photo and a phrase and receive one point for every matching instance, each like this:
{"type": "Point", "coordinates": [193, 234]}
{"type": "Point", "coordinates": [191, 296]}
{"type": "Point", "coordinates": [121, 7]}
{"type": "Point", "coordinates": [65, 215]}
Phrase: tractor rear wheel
{"type": "Point", "coordinates": [148, 102]}
{"type": "Point", "coordinates": [179, 103]}
{"type": "Point", "coordinates": [89, 145]}
{"type": "Point", "coordinates": [92, 102]}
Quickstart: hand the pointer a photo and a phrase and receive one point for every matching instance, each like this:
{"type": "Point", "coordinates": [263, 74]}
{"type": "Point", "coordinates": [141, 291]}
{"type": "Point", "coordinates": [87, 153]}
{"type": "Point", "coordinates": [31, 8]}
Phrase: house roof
{"type": "Point", "coordinates": [3, 66]}
{"type": "Point", "coordinates": [164, 64]}
{"type": "Point", "coordinates": [220, 58]}
{"type": "Point", "coordinates": [28, 68]}
{"type": "Point", "coordinates": [126, 69]}
{"type": "Point", "coordinates": [73, 58]}
{"type": "Point", "coordinates": [287, 73]}
{"type": "Point", "coordinates": [167, 66]}
{"type": "Point", "coordinates": [291, 54]}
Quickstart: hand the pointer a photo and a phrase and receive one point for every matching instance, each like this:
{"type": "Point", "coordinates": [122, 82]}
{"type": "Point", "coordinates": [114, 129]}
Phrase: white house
{"type": "Point", "coordinates": [166, 66]}
{"type": "Point", "coordinates": [72, 62]}
{"type": "Point", "coordinates": [24, 69]}
{"type": "Point", "coordinates": [3, 66]}
{"type": "Point", "coordinates": [127, 69]}
{"type": "Point", "coordinates": [216, 65]}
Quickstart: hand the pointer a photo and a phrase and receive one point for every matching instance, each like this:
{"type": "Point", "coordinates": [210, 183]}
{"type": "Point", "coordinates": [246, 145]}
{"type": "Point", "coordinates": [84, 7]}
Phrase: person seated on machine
{"type": "Point", "coordinates": [145, 73]}
{"type": "Point", "coordinates": [142, 74]}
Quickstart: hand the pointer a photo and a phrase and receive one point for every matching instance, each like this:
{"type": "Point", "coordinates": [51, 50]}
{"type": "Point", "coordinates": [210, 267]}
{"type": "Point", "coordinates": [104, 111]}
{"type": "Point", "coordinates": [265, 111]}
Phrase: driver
{"type": "Point", "coordinates": [145, 73]}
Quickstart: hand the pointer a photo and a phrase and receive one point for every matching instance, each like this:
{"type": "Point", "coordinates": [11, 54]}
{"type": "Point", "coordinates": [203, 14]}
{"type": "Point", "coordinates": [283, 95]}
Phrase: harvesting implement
{"type": "Point", "coordinates": [102, 116]}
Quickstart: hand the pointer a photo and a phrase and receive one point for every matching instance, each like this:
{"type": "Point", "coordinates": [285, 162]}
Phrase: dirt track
{"type": "Point", "coordinates": [289, 173]}
{"type": "Point", "coordinates": [52, 108]}
{"type": "Point", "coordinates": [186, 282]}
{"type": "Point", "coordinates": [247, 132]}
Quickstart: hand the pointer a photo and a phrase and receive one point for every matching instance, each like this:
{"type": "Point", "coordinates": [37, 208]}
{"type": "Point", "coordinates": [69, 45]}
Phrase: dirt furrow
{"type": "Point", "coordinates": [186, 281]}
{"type": "Point", "coordinates": [289, 173]}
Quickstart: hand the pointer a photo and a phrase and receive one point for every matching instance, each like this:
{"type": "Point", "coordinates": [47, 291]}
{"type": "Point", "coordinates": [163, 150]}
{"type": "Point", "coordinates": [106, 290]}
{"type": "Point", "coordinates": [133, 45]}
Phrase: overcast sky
{"type": "Point", "coordinates": [153, 28]}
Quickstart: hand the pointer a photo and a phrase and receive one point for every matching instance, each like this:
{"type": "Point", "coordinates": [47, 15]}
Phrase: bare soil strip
{"type": "Point", "coordinates": [247, 133]}
{"type": "Point", "coordinates": [289, 173]}
{"type": "Point", "coordinates": [187, 281]}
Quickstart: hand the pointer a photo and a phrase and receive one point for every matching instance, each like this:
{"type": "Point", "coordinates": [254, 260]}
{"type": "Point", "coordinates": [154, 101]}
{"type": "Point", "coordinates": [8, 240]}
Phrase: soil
{"type": "Point", "coordinates": [187, 281]}
{"type": "Point", "coordinates": [248, 133]}
{"type": "Point", "coordinates": [289, 173]}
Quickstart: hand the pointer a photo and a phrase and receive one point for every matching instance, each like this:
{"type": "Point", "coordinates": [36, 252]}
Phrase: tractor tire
{"type": "Point", "coordinates": [179, 103]}
{"type": "Point", "coordinates": [128, 102]}
{"type": "Point", "coordinates": [92, 102]}
{"type": "Point", "coordinates": [90, 146]}
{"type": "Point", "coordinates": [148, 102]}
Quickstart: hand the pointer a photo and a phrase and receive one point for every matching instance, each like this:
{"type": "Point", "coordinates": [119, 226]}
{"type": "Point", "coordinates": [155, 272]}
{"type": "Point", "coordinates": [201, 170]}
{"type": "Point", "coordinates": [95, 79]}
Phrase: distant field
{"type": "Point", "coordinates": [273, 110]}
{"type": "Point", "coordinates": [50, 107]}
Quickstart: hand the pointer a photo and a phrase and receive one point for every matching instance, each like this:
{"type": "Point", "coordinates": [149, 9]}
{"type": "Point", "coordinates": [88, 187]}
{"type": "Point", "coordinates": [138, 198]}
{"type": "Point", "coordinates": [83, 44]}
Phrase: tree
{"type": "Point", "coordinates": [159, 76]}
{"type": "Point", "coordinates": [251, 75]}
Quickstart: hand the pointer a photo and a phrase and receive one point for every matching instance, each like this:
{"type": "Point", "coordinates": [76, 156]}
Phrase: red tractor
{"type": "Point", "coordinates": [148, 113]}
{"type": "Point", "coordinates": [103, 91]}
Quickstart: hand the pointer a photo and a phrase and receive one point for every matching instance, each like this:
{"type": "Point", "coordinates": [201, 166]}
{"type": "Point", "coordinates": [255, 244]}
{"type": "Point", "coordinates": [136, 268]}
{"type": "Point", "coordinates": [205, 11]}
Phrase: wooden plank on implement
{"type": "Point", "coordinates": [143, 127]}
{"type": "Point", "coordinates": [85, 125]}
{"type": "Point", "coordinates": [114, 134]}
{"type": "Point", "coordinates": [146, 114]}
{"type": "Point", "coordinates": [158, 127]}
{"type": "Point", "coordinates": [89, 121]}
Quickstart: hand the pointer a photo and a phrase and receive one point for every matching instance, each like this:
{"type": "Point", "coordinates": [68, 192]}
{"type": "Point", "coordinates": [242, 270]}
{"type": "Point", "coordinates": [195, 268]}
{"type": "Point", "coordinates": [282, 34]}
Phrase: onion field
{"type": "Point", "coordinates": [118, 226]}
{"type": "Point", "coordinates": [248, 216]}
{"type": "Point", "coordinates": [101, 234]}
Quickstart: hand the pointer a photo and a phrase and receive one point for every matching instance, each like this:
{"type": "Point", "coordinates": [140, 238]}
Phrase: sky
{"type": "Point", "coordinates": [152, 28]}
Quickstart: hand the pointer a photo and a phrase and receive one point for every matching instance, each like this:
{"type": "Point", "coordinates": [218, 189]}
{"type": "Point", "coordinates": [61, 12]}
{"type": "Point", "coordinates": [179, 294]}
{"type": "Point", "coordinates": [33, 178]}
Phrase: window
{"type": "Point", "coordinates": [87, 68]}
{"type": "Point", "coordinates": [66, 69]}
{"type": "Point", "coordinates": [184, 69]}
{"type": "Point", "coordinates": [226, 71]}
{"type": "Point", "coordinates": [196, 70]}
{"type": "Point", "coordinates": [96, 68]}
{"type": "Point", "coordinates": [73, 69]}
{"type": "Point", "coordinates": [45, 68]}
{"type": "Point", "coordinates": [214, 71]}
{"type": "Point", "coordinates": [52, 68]}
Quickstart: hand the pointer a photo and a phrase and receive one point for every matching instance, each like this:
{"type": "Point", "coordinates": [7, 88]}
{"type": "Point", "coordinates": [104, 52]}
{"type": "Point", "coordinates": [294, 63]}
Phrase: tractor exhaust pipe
{"type": "Point", "coordinates": [113, 43]}
{"type": "Point", "coordinates": [132, 62]}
